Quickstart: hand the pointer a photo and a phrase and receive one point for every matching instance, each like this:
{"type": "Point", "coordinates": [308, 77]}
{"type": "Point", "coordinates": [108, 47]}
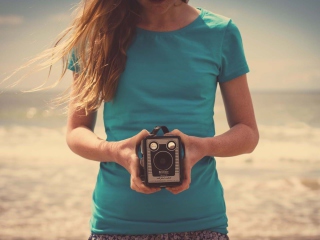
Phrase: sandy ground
{"type": "Point", "coordinates": [45, 193]}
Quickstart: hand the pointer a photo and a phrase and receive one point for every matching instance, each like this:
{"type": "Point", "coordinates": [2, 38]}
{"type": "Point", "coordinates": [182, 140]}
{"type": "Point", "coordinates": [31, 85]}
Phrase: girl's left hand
{"type": "Point", "coordinates": [194, 151]}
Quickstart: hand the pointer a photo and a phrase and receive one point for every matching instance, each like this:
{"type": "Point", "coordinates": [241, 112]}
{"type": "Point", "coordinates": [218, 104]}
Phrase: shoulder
{"type": "Point", "coordinates": [216, 21]}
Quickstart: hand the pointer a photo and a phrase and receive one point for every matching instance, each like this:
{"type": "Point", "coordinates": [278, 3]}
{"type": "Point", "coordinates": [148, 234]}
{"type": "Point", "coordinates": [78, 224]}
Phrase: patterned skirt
{"type": "Point", "coordinates": [197, 235]}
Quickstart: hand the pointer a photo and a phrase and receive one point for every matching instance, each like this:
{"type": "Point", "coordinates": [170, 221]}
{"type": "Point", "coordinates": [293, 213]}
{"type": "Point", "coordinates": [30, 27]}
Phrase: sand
{"type": "Point", "coordinates": [45, 190]}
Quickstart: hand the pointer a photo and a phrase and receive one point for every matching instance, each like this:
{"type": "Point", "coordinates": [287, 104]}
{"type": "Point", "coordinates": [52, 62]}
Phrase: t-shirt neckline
{"type": "Point", "coordinates": [141, 30]}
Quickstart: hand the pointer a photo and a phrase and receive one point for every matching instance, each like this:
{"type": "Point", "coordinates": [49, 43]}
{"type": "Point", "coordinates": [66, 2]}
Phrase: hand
{"type": "Point", "coordinates": [193, 153]}
{"type": "Point", "coordinates": [124, 153]}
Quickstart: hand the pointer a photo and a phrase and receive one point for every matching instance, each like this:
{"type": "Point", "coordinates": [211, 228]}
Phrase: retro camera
{"type": "Point", "coordinates": [161, 163]}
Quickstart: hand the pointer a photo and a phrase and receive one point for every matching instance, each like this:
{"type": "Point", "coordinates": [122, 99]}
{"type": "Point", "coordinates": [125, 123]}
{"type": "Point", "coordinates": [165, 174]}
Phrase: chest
{"type": "Point", "coordinates": [170, 66]}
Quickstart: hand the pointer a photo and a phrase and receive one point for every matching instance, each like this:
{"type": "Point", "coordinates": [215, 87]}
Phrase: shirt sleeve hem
{"type": "Point", "coordinates": [235, 74]}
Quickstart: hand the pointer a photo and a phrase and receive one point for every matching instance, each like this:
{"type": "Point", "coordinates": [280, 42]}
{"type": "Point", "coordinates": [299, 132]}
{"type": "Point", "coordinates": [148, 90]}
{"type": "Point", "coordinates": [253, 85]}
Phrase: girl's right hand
{"type": "Point", "coordinates": [124, 153]}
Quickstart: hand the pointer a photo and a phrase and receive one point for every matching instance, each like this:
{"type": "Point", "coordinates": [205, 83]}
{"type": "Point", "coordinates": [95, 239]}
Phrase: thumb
{"type": "Point", "coordinates": [141, 135]}
{"type": "Point", "coordinates": [176, 132]}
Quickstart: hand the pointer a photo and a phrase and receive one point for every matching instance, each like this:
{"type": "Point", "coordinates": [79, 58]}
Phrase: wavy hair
{"type": "Point", "coordinates": [102, 33]}
{"type": "Point", "coordinates": [98, 39]}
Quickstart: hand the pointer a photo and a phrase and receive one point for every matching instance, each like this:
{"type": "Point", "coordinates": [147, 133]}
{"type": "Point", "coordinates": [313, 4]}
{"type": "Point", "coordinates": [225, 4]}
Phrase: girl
{"type": "Point", "coordinates": [156, 62]}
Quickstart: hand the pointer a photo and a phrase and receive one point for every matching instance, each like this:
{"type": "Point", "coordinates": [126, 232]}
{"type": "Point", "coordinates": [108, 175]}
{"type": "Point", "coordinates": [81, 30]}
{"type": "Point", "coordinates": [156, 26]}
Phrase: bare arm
{"type": "Point", "coordinates": [243, 135]}
{"type": "Point", "coordinates": [80, 136]}
{"type": "Point", "coordinates": [83, 141]}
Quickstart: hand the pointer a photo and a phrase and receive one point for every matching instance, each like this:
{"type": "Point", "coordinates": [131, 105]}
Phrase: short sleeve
{"type": "Point", "coordinates": [73, 62]}
{"type": "Point", "coordinates": [233, 60]}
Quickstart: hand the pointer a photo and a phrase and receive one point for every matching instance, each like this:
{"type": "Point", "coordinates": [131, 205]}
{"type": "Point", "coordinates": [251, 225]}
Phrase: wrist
{"type": "Point", "coordinates": [208, 144]}
{"type": "Point", "coordinates": [108, 151]}
{"type": "Point", "coordinates": [200, 145]}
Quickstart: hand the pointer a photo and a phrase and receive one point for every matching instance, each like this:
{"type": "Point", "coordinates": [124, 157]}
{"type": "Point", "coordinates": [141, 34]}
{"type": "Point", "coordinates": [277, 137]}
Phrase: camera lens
{"type": "Point", "coordinates": [163, 160]}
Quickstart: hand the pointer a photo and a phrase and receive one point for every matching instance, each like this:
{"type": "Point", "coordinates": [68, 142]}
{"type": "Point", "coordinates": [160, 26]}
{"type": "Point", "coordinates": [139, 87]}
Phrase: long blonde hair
{"type": "Point", "coordinates": [101, 34]}
{"type": "Point", "coordinates": [98, 37]}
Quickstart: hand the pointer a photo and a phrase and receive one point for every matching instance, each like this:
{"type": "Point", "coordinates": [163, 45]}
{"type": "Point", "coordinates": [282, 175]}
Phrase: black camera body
{"type": "Point", "coordinates": [161, 162]}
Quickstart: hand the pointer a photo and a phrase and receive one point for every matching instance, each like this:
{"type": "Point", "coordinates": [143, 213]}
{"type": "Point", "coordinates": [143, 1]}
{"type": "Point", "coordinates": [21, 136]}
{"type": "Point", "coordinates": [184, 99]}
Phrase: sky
{"type": "Point", "coordinates": [280, 37]}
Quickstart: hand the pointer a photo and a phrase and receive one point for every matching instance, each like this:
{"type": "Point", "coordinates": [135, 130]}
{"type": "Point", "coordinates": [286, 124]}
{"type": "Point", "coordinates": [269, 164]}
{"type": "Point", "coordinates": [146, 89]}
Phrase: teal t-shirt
{"type": "Point", "coordinates": [170, 79]}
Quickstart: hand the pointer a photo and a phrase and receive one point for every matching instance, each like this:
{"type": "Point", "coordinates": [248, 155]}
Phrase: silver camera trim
{"type": "Point", "coordinates": [163, 179]}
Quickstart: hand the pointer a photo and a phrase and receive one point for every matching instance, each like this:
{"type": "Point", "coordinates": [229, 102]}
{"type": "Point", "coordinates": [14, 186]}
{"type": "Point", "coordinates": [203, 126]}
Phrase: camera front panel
{"type": "Point", "coordinates": [162, 160]}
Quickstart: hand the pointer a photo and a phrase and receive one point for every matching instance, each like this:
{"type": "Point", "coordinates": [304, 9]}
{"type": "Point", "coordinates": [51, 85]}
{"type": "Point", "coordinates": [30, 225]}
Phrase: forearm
{"type": "Point", "coordinates": [87, 144]}
{"type": "Point", "coordinates": [240, 139]}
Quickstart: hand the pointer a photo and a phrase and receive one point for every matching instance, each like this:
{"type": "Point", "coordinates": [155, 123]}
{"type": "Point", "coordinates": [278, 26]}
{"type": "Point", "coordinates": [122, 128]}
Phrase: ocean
{"type": "Point", "coordinates": [272, 193]}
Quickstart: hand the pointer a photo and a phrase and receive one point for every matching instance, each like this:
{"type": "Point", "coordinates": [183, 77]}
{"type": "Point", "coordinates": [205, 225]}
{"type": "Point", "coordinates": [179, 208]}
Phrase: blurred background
{"type": "Point", "coordinates": [272, 193]}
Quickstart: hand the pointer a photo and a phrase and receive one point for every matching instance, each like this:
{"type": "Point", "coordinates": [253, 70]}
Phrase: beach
{"type": "Point", "coordinates": [271, 194]}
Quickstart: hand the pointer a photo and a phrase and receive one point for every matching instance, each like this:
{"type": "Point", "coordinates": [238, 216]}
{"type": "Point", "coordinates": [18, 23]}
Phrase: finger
{"type": "Point", "coordinates": [176, 190]}
{"type": "Point", "coordinates": [174, 132]}
{"type": "Point", "coordinates": [137, 185]}
{"type": "Point", "coordinates": [141, 135]}
{"type": "Point", "coordinates": [177, 132]}
{"type": "Point", "coordinates": [185, 184]}
{"type": "Point", "coordinates": [145, 189]}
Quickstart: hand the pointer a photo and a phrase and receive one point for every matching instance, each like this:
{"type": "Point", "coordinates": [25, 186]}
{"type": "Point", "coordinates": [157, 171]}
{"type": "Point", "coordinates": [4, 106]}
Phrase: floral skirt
{"type": "Point", "coordinates": [197, 235]}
